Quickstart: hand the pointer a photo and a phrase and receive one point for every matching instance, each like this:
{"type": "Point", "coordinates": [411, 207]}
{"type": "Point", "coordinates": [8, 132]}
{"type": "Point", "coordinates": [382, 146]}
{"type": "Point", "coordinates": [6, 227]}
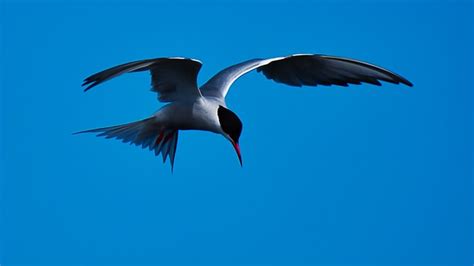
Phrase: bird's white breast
{"type": "Point", "coordinates": [198, 115]}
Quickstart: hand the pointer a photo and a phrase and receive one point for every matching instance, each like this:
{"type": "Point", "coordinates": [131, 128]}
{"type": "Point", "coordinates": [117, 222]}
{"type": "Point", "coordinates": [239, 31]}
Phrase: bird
{"type": "Point", "coordinates": [192, 107]}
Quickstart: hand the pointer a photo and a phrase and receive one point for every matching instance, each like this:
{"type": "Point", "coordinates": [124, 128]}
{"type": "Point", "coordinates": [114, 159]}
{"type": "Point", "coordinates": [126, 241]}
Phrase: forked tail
{"type": "Point", "coordinates": [146, 133]}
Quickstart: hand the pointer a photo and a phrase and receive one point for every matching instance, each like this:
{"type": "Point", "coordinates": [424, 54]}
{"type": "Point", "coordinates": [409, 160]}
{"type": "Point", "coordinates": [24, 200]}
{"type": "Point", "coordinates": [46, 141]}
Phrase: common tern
{"type": "Point", "coordinates": [190, 107]}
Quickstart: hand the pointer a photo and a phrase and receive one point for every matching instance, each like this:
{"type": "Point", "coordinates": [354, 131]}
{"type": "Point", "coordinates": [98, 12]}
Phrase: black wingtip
{"type": "Point", "coordinates": [399, 79]}
{"type": "Point", "coordinates": [89, 83]}
{"type": "Point", "coordinates": [408, 83]}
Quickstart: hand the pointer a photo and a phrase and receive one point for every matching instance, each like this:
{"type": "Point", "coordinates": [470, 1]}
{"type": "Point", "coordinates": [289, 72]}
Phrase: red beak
{"type": "Point", "coordinates": [237, 150]}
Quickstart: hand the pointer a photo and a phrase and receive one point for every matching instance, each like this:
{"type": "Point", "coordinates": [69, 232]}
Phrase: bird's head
{"type": "Point", "coordinates": [231, 127]}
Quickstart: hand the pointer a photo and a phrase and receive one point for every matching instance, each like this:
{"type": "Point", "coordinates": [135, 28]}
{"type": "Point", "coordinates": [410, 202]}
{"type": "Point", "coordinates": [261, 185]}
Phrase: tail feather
{"type": "Point", "coordinates": [165, 150]}
{"type": "Point", "coordinates": [146, 133]}
{"type": "Point", "coordinates": [172, 151]}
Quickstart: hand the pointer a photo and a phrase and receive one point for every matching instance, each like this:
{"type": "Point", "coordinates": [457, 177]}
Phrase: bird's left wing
{"type": "Point", "coordinates": [303, 69]}
{"type": "Point", "coordinates": [173, 78]}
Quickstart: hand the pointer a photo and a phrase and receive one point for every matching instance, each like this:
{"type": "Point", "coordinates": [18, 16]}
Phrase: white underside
{"type": "Point", "coordinates": [199, 114]}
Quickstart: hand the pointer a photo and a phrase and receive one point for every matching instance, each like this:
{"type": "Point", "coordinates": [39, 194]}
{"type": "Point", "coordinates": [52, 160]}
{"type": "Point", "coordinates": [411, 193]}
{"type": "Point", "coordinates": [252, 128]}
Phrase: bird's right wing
{"type": "Point", "coordinates": [303, 69]}
{"type": "Point", "coordinates": [173, 78]}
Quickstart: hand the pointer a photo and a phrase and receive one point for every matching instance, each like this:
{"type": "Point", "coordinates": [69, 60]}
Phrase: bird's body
{"type": "Point", "coordinates": [190, 107]}
{"type": "Point", "coordinates": [198, 114]}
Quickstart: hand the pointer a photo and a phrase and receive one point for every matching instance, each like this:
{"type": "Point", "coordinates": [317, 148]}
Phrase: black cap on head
{"type": "Point", "coordinates": [230, 123]}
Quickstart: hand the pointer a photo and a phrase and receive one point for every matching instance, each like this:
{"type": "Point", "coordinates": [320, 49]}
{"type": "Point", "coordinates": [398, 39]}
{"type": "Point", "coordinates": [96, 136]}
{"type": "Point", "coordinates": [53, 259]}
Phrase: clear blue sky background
{"type": "Point", "coordinates": [331, 175]}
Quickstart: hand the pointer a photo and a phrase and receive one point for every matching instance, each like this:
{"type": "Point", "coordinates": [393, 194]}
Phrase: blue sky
{"type": "Point", "coordinates": [361, 174]}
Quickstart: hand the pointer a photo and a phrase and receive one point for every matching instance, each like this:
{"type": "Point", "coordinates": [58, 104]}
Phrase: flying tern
{"type": "Point", "coordinates": [190, 107]}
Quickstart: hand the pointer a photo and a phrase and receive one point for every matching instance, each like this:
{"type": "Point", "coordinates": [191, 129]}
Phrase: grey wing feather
{"type": "Point", "coordinates": [303, 69]}
{"type": "Point", "coordinates": [314, 70]}
{"type": "Point", "coordinates": [219, 84]}
{"type": "Point", "coordinates": [173, 78]}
